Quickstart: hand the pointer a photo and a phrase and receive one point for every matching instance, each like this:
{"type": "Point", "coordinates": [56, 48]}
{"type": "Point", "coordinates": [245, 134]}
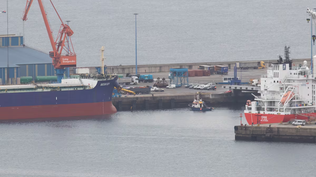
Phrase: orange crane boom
{"type": "Point", "coordinates": [60, 59]}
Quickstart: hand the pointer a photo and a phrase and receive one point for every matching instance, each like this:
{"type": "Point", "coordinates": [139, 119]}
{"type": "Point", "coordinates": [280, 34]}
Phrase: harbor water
{"type": "Point", "coordinates": [178, 31]}
{"type": "Point", "coordinates": [147, 143]}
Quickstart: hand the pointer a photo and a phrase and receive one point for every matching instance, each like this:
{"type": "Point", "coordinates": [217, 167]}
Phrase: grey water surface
{"type": "Point", "coordinates": [147, 143]}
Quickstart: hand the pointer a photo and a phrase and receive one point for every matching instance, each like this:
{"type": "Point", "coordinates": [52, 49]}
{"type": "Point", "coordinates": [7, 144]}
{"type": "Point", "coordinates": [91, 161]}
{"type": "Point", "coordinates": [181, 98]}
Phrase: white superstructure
{"type": "Point", "coordinates": [286, 89]}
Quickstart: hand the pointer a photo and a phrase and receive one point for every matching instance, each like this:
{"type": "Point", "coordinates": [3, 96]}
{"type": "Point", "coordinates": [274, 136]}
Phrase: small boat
{"type": "Point", "coordinates": [199, 105]}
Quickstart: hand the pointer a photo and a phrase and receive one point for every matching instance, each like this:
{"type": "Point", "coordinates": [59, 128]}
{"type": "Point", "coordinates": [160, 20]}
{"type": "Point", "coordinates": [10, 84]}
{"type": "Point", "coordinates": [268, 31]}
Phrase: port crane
{"type": "Point", "coordinates": [61, 55]}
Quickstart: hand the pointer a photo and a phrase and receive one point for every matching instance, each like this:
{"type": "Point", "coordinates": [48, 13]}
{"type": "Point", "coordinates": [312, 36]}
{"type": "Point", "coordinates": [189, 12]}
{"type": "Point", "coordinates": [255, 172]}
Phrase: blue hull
{"type": "Point", "coordinates": [98, 94]}
{"type": "Point", "coordinates": [65, 103]}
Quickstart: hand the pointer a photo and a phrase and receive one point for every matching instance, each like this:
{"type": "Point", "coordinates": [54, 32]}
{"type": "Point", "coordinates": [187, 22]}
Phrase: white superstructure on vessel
{"type": "Point", "coordinates": [286, 92]}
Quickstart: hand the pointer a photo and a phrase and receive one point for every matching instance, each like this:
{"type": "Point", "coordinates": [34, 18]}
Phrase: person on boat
{"type": "Point", "coordinates": [201, 103]}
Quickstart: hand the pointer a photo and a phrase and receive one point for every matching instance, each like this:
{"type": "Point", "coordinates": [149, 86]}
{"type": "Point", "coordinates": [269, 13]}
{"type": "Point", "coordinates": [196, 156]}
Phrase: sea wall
{"type": "Point", "coordinates": [279, 133]}
{"type": "Point", "coordinates": [156, 68]}
{"type": "Point", "coordinates": [152, 102]}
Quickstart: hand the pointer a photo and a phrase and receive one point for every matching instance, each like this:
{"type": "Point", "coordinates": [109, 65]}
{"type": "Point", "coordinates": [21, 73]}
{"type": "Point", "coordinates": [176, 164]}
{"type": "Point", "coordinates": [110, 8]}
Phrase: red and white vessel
{"type": "Point", "coordinates": [286, 92]}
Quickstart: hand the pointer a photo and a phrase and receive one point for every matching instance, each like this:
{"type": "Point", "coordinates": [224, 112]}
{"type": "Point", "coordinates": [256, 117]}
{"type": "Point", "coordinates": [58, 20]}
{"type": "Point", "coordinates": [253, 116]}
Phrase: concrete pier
{"type": "Point", "coordinates": [171, 101]}
{"type": "Point", "coordinates": [158, 68]}
{"type": "Point", "coordinates": [181, 97]}
{"type": "Point", "coordinates": [276, 133]}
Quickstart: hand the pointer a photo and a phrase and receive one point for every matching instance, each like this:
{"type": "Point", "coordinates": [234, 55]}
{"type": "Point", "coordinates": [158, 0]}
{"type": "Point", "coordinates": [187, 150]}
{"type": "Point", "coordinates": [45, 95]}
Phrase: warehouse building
{"type": "Point", "coordinates": [23, 60]}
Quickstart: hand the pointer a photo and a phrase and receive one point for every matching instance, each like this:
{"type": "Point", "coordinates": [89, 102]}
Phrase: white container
{"type": "Point", "coordinates": [82, 71]}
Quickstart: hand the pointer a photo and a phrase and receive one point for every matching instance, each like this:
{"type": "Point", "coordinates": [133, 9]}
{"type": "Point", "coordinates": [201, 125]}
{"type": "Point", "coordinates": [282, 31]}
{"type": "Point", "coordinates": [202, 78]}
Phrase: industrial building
{"type": "Point", "coordinates": [23, 60]}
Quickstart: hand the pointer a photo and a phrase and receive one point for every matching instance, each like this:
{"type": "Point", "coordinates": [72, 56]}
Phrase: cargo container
{"type": "Point", "coordinates": [120, 75]}
{"type": "Point", "coordinates": [26, 79]}
{"type": "Point", "coordinates": [221, 69]}
{"type": "Point", "coordinates": [206, 73]}
{"type": "Point", "coordinates": [46, 79]}
{"type": "Point", "coordinates": [82, 71]}
{"type": "Point", "coordinates": [191, 73]}
{"type": "Point", "coordinates": [74, 76]}
{"type": "Point", "coordinates": [251, 65]}
{"type": "Point", "coordinates": [199, 72]}
{"type": "Point", "coordinates": [146, 78]}
{"type": "Point", "coordinates": [208, 70]}
{"type": "Point", "coordinates": [128, 80]}
{"type": "Point", "coordinates": [206, 67]}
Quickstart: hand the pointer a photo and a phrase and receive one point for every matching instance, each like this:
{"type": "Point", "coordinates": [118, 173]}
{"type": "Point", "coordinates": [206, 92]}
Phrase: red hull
{"type": "Point", "coordinates": [103, 109]}
{"type": "Point", "coordinates": [272, 118]}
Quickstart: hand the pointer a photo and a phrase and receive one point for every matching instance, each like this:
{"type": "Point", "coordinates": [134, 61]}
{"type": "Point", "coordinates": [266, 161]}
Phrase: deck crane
{"type": "Point", "coordinates": [60, 60]}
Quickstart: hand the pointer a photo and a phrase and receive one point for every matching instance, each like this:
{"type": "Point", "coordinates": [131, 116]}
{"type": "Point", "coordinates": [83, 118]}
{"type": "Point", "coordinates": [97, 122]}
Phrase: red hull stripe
{"type": "Point", "coordinates": [263, 119]}
{"type": "Point", "coordinates": [272, 118]}
{"type": "Point", "coordinates": [57, 111]}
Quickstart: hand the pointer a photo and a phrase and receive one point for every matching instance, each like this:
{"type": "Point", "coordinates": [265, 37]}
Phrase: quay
{"type": "Point", "coordinates": [181, 100]}
{"type": "Point", "coordinates": [276, 133]}
{"type": "Point", "coordinates": [181, 97]}
{"type": "Point", "coordinates": [160, 68]}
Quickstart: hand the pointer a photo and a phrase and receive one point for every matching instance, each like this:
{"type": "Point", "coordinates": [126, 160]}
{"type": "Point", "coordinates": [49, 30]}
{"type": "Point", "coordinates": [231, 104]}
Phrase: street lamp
{"type": "Point", "coordinates": [8, 66]}
{"type": "Point", "coordinates": [136, 42]}
{"type": "Point", "coordinates": [308, 20]}
{"type": "Point", "coordinates": [313, 17]}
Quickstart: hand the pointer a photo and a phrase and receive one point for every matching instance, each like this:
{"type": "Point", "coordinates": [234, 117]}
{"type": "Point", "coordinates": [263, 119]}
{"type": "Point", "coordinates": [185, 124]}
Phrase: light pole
{"type": "Point", "coordinates": [136, 42]}
{"type": "Point", "coordinates": [313, 17]}
{"type": "Point", "coordinates": [8, 66]}
{"type": "Point", "coordinates": [7, 78]}
{"type": "Point", "coordinates": [67, 70]}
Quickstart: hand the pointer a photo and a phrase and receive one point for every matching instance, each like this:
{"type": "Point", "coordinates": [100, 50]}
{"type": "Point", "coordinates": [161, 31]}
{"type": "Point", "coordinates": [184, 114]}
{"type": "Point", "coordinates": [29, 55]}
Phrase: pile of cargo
{"type": "Point", "coordinates": [139, 90]}
{"type": "Point", "coordinates": [199, 72]}
{"type": "Point", "coordinates": [161, 83]}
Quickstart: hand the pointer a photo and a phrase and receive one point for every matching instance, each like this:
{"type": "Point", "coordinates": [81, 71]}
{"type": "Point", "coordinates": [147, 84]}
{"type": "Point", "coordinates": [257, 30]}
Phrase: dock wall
{"type": "Point", "coordinates": [157, 68]}
{"type": "Point", "coordinates": [276, 134]}
{"type": "Point", "coordinates": [153, 102]}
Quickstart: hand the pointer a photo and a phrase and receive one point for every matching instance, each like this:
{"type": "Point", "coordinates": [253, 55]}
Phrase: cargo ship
{"type": "Point", "coordinates": [287, 92]}
{"type": "Point", "coordinates": [71, 99]}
